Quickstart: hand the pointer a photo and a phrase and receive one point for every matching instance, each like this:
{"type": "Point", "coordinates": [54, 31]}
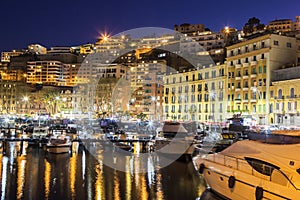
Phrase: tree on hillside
{"type": "Point", "coordinates": [253, 25]}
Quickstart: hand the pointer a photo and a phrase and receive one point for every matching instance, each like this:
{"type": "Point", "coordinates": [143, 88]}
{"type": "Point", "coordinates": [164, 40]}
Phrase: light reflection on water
{"type": "Point", "coordinates": [39, 175]}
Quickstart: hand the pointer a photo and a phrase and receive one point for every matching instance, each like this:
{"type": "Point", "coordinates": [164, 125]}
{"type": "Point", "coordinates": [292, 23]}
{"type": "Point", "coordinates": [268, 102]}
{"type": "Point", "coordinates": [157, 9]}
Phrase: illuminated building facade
{"type": "Point", "coordinates": [285, 96]}
{"type": "Point", "coordinates": [250, 64]}
{"type": "Point", "coordinates": [197, 94]}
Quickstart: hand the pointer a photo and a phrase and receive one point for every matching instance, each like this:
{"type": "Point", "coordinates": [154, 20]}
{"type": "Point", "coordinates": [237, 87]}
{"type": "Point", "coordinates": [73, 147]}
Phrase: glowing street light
{"type": "Point", "coordinates": [25, 98]}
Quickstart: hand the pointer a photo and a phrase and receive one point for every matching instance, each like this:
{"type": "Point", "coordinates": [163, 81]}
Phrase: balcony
{"type": "Point", "coordinates": [245, 88]}
{"type": "Point", "coordinates": [245, 76]}
{"type": "Point", "coordinates": [245, 101]}
{"type": "Point", "coordinates": [253, 62]}
{"type": "Point", "coordinates": [253, 75]}
{"type": "Point", "coordinates": [246, 64]}
{"type": "Point", "coordinates": [238, 89]}
{"type": "Point", "coordinates": [237, 66]}
{"type": "Point", "coordinates": [291, 111]}
{"type": "Point", "coordinates": [238, 78]}
{"type": "Point", "coordinates": [252, 100]}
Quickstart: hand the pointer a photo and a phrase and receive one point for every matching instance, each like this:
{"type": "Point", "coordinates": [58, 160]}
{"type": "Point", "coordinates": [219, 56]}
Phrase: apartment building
{"type": "Point", "coordinates": [146, 81]}
{"type": "Point", "coordinates": [189, 29]}
{"type": "Point", "coordinates": [47, 72]}
{"type": "Point", "coordinates": [250, 64]}
{"type": "Point", "coordinates": [196, 94]}
{"type": "Point", "coordinates": [285, 25]}
{"type": "Point", "coordinates": [6, 55]}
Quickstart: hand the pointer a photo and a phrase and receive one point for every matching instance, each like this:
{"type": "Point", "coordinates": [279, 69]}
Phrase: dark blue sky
{"type": "Point", "coordinates": [75, 22]}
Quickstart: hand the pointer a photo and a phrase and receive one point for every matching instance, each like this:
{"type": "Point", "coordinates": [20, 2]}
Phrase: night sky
{"type": "Point", "coordinates": [75, 22]}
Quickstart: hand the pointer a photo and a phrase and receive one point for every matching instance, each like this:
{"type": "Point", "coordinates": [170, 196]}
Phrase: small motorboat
{"type": "Point", "coordinates": [59, 144]}
{"type": "Point", "coordinates": [123, 146]}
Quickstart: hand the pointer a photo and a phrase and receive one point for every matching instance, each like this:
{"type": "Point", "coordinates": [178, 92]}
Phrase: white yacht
{"type": "Point", "coordinates": [253, 170]}
{"type": "Point", "coordinates": [59, 144]}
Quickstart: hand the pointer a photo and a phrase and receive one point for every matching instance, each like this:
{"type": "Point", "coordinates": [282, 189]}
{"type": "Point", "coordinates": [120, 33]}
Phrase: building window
{"type": "Point", "coordinates": [292, 93]}
{"type": "Point", "coordinates": [262, 56]}
{"type": "Point", "coordinates": [186, 89]}
{"type": "Point", "coordinates": [254, 58]}
{"type": "Point", "coordinates": [276, 42]}
{"type": "Point", "coordinates": [279, 94]}
{"type": "Point", "coordinates": [265, 69]}
{"type": "Point", "coordinates": [262, 44]}
{"type": "Point", "coordinates": [254, 46]}
{"type": "Point", "coordinates": [199, 87]}
{"type": "Point", "coordinates": [206, 75]}
{"type": "Point", "coordinates": [289, 106]}
{"type": "Point", "coordinates": [173, 99]}
{"type": "Point", "coordinates": [180, 89]}
{"type": "Point", "coordinates": [260, 69]}
{"type": "Point", "coordinates": [289, 45]}
{"type": "Point", "coordinates": [199, 97]}
{"type": "Point", "coordinates": [199, 76]}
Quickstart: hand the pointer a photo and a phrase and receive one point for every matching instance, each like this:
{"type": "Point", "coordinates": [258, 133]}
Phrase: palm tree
{"type": "Point", "coordinates": [52, 102]}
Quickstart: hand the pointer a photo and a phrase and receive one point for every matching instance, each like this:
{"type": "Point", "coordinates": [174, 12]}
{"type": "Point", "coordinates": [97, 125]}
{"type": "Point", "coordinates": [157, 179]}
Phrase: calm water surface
{"type": "Point", "coordinates": [37, 174]}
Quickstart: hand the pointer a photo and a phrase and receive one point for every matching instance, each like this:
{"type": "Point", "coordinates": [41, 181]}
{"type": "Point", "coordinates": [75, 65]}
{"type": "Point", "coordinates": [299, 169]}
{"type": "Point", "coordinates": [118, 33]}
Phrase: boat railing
{"type": "Point", "coordinates": [257, 169]}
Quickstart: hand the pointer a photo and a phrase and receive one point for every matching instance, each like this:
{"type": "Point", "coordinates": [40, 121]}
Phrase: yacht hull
{"type": "Point", "coordinates": [236, 184]}
{"type": "Point", "coordinates": [65, 148]}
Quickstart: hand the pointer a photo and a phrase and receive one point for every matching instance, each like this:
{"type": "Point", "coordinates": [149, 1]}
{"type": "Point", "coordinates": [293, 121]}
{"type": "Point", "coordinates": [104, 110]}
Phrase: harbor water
{"type": "Point", "coordinates": [28, 172]}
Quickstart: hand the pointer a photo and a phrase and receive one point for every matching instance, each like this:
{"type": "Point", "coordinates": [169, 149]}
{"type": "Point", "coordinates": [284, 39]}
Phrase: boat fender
{"type": "Point", "coordinates": [259, 192]}
{"type": "Point", "coordinates": [201, 168]}
{"type": "Point", "coordinates": [231, 182]}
